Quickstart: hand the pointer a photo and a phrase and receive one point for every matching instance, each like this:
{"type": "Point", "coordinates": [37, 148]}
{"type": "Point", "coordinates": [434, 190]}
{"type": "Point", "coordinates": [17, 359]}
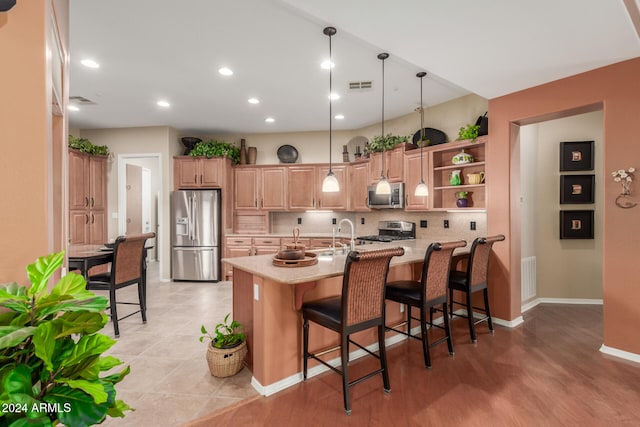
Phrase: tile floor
{"type": "Point", "coordinates": [170, 383]}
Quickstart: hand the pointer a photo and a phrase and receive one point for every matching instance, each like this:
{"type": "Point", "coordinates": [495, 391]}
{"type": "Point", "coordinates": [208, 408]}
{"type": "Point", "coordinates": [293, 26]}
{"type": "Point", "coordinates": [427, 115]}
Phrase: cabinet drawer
{"type": "Point", "coordinates": [245, 241]}
{"type": "Point", "coordinates": [266, 241]}
{"type": "Point", "coordinates": [321, 242]}
{"type": "Point", "coordinates": [289, 241]}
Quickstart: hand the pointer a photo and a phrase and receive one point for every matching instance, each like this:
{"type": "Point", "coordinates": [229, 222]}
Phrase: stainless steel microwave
{"type": "Point", "coordinates": [395, 200]}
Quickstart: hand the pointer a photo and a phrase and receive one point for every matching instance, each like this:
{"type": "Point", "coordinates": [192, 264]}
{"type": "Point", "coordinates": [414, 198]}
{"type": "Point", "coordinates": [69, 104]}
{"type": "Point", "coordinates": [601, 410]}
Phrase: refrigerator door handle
{"type": "Point", "coordinates": [194, 221]}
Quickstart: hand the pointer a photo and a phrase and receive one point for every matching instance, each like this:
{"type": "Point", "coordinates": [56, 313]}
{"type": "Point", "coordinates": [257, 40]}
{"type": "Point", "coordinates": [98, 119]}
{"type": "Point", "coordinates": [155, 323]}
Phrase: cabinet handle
{"type": "Point", "coordinates": [92, 201]}
{"type": "Point", "coordinates": [320, 203]}
{"type": "Point", "coordinates": [93, 219]}
{"type": "Point", "coordinates": [86, 201]}
{"type": "Point", "coordinates": [262, 203]}
{"type": "Point", "coordinates": [238, 241]}
{"type": "Point", "coordinates": [200, 179]}
{"type": "Point", "coordinates": [86, 218]}
{"type": "Point", "coordinates": [249, 251]}
{"type": "Point", "coordinates": [195, 178]}
{"type": "Point", "coordinates": [267, 241]}
{"type": "Point", "coordinates": [255, 203]}
{"type": "Point", "coordinates": [406, 199]}
{"type": "Point", "coordinates": [313, 202]}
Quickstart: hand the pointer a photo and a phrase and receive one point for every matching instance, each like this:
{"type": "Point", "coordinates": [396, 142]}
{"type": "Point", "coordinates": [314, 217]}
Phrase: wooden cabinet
{"type": "Point", "coordinates": [394, 165]}
{"type": "Point", "coordinates": [358, 182]}
{"type": "Point", "coordinates": [301, 188]}
{"type": "Point", "coordinates": [197, 172]}
{"type": "Point", "coordinates": [260, 188]}
{"type": "Point", "coordinates": [87, 198]}
{"type": "Point", "coordinates": [412, 162]}
{"type": "Point", "coordinates": [338, 201]}
{"type": "Point", "coordinates": [440, 157]}
{"type": "Point", "coordinates": [249, 246]}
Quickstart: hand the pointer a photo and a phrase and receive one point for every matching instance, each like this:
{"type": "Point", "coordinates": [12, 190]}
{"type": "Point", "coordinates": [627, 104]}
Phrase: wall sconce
{"type": "Point", "coordinates": [624, 177]}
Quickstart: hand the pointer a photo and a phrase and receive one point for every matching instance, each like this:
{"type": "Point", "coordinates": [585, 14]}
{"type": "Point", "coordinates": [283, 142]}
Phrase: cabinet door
{"type": "Point", "coordinates": [97, 227]}
{"type": "Point", "coordinates": [395, 164]}
{"type": "Point", "coordinates": [246, 188]}
{"type": "Point", "coordinates": [412, 179]}
{"type": "Point", "coordinates": [334, 201]}
{"type": "Point", "coordinates": [301, 186]}
{"type": "Point", "coordinates": [97, 183]}
{"type": "Point", "coordinates": [210, 172]}
{"type": "Point", "coordinates": [238, 251]}
{"type": "Point", "coordinates": [78, 227]}
{"type": "Point", "coordinates": [273, 188]}
{"type": "Point", "coordinates": [186, 172]}
{"type": "Point", "coordinates": [78, 180]}
{"type": "Point", "coordinates": [358, 187]}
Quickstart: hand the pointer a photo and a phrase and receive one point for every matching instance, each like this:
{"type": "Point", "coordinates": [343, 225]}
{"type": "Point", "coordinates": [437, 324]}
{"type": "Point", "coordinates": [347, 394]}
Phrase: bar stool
{"type": "Point", "coordinates": [427, 294]}
{"type": "Point", "coordinates": [473, 280]}
{"type": "Point", "coordinates": [359, 307]}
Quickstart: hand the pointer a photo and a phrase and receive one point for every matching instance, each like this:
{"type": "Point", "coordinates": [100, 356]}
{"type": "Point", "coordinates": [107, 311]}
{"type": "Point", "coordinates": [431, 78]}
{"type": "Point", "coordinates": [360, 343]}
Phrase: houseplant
{"type": "Point", "coordinates": [389, 142]}
{"type": "Point", "coordinates": [213, 148]}
{"type": "Point", "coordinates": [51, 352]}
{"type": "Point", "coordinates": [469, 132]}
{"type": "Point", "coordinates": [227, 347]}
{"type": "Point", "coordinates": [86, 146]}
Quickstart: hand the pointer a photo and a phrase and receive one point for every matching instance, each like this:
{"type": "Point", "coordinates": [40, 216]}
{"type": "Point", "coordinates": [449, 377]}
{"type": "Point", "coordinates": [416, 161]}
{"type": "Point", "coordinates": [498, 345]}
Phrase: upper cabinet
{"type": "Point", "coordinates": [412, 173]}
{"type": "Point", "coordinates": [394, 165]}
{"type": "Point", "coordinates": [197, 172]}
{"type": "Point", "coordinates": [358, 182]}
{"type": "Point", "coordinates": [335, 201]}
{"type": "Point", "coordinates": [447, 189]}
{"type": "Point", "coordinates": [87, 198]}
{"type": "Point", "coordinates": [301, 187]}
{"type": "Point", "coordinates": [260, 188]}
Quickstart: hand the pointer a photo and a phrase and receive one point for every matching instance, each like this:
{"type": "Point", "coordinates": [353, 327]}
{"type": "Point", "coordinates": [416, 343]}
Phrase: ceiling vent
{"type": "Point", "coordinates": [81, 100]}
{"type": "Point", "coordinates": [359, 86]}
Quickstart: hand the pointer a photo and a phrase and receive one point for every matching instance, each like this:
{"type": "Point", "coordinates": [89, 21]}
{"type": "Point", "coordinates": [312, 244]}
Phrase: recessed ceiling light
{"type": "Point", "coordinates": [225, 71]}
{"type": "Point", "coordinates": [163, 104]}
{"type": "Point", "coordinates": [253, 101]}
{"type": "Point", "coordinates": [334, 96]}
{"type": "Point", "coordinates": [339, 117]}
{"type": "Point", "coordinates": [325, 65]}
{"type": "Point", "coordinates": [73, 108]}
{"type": "Point", "coordinates": [90, 63]}
{"type": "Point", "coordinates": [269, 120]}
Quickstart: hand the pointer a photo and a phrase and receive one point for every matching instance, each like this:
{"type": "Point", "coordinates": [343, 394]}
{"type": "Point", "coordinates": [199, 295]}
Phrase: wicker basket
{"type": "Point", "coordinates": [225, 362]}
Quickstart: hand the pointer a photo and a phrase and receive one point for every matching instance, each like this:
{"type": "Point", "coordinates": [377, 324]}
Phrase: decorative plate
{"type": "Point", "coordinates": [434, 136]}
{"type": "Point", "coordinates": [287, 154]}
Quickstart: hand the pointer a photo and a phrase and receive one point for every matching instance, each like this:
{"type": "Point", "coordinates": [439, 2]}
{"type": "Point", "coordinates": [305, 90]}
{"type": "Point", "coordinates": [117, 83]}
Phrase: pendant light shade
{"type": "Point", "coordinates": [421, 189]}
{"type": "Point", "coordinates": [330, 183]}
{"type": "Point", "coordinates": [383, 187]}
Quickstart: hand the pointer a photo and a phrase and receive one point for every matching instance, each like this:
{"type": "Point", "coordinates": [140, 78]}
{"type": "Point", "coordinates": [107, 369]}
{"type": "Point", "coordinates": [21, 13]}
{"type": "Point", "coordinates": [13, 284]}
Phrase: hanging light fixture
{"type": "Point", "coordinates": [421, 190]}
{"type": "Point", "coordinates": [383, 186]}
{"type": "Point", "coordinates": [330, 183]}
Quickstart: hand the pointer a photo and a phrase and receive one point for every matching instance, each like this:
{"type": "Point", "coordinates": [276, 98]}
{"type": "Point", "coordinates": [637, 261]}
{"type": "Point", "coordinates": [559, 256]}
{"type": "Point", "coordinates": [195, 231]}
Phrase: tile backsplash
{"type": "Point", "coordinates": [321, 222]}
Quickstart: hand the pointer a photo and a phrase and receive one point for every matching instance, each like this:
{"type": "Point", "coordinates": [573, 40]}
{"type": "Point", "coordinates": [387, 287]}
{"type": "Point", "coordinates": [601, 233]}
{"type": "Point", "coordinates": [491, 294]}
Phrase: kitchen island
{"type": "Point", "coordinates": [267, 298]}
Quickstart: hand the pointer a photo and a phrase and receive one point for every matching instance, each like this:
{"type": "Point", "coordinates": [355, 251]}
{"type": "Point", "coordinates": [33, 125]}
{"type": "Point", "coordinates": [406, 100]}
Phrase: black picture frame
{"type": "Point", "coordinates": [577, 189]}
{"type": "Point", "coordinates": [576, 224]}
{"type": "Point", "coordinates": [576, 156]}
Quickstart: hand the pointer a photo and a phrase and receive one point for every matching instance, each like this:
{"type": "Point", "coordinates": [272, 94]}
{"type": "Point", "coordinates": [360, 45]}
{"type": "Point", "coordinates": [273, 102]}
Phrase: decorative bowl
{"type": "Point", "coordinates": [291, 254]}
{"type": "Point", "coordinates": [287, 154]}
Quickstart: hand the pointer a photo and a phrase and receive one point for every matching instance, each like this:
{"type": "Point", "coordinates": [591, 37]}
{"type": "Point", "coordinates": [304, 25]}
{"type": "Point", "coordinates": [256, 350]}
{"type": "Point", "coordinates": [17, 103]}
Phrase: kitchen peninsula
{"type": "Point", "coordinates": [266, 300]}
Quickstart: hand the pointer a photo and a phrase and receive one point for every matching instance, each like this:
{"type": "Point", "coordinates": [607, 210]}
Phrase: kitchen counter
{"type": "Point", "coordinates": [266, 301]}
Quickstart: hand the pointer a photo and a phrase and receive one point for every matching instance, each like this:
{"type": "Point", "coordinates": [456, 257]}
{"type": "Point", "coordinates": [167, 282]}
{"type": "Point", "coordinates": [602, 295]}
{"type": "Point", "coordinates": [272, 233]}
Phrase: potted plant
{"type": "Point", "coordinates": [469, 132]}
{"type": "Point", "coordinates": [86, 146]}
{"type": "Point", "coordinates": [389, 142]}
{"type": "Point", "coordinates": [51, 352]}
{"type": "Point", "coordinates": [213, 148]}
{"type": "Point", "coordinates": [227, 348]}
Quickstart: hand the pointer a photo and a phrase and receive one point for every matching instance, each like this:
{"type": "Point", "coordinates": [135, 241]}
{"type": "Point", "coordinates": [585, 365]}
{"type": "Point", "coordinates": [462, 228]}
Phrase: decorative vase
{"type": "Point", "coordinates": [461, 199]}
{"type": "Point", "coordinates": [225, 362]}
{"type": "Point", "coordinates": [455, 178]}
{"type": "Point", "coordinates": [345, 154]}
{"type": "Point", "coordinates": [243, 152]}
{"type": "Point", "coordinates": [251, 155]}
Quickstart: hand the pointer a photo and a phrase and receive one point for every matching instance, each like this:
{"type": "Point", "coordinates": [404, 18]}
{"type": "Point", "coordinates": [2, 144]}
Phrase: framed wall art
{"type": "Point", "coordinates": [576, 224]}
{"type": "Point", "coordinates": [576, 156]}
{"type": "Point", "coordinates": [577, 189]}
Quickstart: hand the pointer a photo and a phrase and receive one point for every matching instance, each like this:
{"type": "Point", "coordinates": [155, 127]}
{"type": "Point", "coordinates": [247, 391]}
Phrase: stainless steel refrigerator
{"type": "Point", "coordinates": [195, 235]}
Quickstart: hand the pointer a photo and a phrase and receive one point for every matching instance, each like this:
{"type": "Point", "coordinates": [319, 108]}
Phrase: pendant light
{"type": "Point", "coordinates": [421, 190]}
{"type": "Point", "coordinates": [383, 186]}
{"type": "Point", "coordinates": [330, 183]}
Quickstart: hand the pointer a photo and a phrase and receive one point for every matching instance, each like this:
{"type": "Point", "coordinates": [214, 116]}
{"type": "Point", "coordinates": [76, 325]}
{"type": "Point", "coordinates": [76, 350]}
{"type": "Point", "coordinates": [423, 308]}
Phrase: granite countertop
{"type": "Point", "coordinates": [290, 235]}
{"type": "Point", "coordinates": [327, 266]}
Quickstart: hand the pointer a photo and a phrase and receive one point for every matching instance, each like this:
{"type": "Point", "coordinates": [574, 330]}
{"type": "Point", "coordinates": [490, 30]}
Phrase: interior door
{"type": "Point", "coordinates": [134, 199]}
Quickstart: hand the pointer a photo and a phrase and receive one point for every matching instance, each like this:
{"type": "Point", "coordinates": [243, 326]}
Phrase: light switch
{"type": "Point", "coordinates": [256, 292]}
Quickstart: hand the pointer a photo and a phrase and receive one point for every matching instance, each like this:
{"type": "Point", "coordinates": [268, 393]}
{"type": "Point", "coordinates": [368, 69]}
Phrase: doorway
{"type": "Point", "coordinates": [140, 197]}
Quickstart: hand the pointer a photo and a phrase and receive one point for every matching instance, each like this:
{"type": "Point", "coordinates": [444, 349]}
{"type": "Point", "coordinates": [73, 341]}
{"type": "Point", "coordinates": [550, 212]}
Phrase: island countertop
{"type": "Point", "coordinates": [330, 266]}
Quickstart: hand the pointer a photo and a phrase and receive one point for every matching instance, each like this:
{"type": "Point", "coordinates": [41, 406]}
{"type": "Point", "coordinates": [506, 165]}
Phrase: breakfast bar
{"type": "Point", "coordinates": [267, 298]}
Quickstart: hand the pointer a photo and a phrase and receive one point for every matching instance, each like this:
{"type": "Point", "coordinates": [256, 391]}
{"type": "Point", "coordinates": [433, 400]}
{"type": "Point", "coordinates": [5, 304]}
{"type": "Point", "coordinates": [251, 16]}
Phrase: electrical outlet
{"type": "Point", "coordinates": [333, 221]}
{"type": "Point", "coordinates": [299, 220]}
{"type": "Point", "coordinates": [446, 223]}
{"type": "Point", "coordinates": [423, 223]}
{"type": "Point", "coordinates": [473, 225]}
{"type": "Point", "coordinates": [362, 220]}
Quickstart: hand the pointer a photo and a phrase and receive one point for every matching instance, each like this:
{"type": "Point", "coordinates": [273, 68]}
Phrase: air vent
{"type": "Point", "coordinates": [366, 85]}
{"type": "Point", "coordinates": [81, 100]}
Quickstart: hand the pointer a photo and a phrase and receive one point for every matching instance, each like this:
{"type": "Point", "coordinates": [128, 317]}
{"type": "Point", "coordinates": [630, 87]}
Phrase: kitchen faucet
{"type": "Point", "coordinates": [352, 243]}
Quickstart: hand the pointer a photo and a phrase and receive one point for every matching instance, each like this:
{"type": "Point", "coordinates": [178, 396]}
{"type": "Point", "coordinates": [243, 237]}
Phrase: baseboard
{"type": "Point", "coordinates": [620, 353]}
{"type": "Point", "coordinates": [535, 302]}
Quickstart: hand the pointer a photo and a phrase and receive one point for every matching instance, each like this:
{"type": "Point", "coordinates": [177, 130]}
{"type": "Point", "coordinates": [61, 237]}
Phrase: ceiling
{"type": "Point", "coordinates": [150, 50]}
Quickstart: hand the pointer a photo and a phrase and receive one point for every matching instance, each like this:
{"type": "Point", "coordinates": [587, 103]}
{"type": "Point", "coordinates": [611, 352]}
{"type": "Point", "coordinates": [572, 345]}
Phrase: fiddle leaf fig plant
{"type": "Point", "coordinates": [51, 352]}
{"type": "Point", "coordinates": [213, 148]}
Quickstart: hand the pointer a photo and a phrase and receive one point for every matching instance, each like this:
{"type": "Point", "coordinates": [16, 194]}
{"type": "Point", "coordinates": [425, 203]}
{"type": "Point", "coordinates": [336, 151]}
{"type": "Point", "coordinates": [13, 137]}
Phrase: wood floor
{"type": "Point", "coordinates": [547, 372]}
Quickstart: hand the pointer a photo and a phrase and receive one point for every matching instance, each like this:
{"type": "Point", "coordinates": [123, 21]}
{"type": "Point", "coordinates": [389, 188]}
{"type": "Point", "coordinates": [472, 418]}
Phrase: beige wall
{"type": "Point", "coordinates": [156, 139]}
